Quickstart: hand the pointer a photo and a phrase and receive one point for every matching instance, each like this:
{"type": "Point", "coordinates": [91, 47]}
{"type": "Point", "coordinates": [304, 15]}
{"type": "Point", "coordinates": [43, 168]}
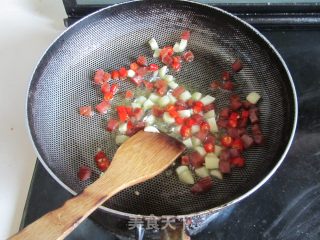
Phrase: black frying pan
{"type": "Point", "coordinates": [111, 38]}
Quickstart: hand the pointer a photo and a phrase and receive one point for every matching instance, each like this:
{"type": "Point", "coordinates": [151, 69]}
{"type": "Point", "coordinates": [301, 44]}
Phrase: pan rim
{"type": "Point", "coordinates": [182, 216]}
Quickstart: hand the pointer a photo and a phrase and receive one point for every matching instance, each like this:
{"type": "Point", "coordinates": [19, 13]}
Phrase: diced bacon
{"type": "Point", "coordinates": [138, 127]}
{"type": "Point", "coordinates": [106, 77]}
{"type": "Point", "coordinates": [98, 76]}
{"type": "Point", "coordinates": [202, 135]}
{"type": "Point", "coordinates": [237, 162]}
{"type": "Point", "coordinates": [196, 159]}
{"type": "Point", "coordinates": [253, 115]}
{"type": "Point", "coordinates": [123, 73]}
{"type": "Point", "coordinates": [202, 186]}
{"type": "Point", "coordinates": [134, 66]}
{"type": "Point", "coordinates": [105, 87]}
{"type": "Point", "coordinates": [103, 107]}
{"type": "Point", "coordinates": [243, 122]}
{"type": "Point", "coordinates": [138, 114]}
{"type": "Point", "coordinates": [224, 113]}
{"type": "Point", "coordinates": [224, 166]}
{"type": "Point", "coordinates": [237, 65]}
{"type": "Point", "coordinates": [178, 91]}
{"type": "Point", "coordinates": [86, 111]}
{"type": "Point", "coordinates": [258, 139]}
{"type": "Point", "coordinates": [242, 131]}
{"type": "Point", "coordinates": [234, 152]}
{"type": "Point", "coordinates": [128, 94]}
{"type": "Point", "coordinates": [215, 85]}
{"type": "Point", "coordinates": [142, 61]}
{"type": "Point", "coordinates": [137, 80]}
{"type": "Point", "coordinates": [84, 173]}
{"type": "Point", "coordinates": [185, 160]}
{"type": "Point", "coordinates": [188, 56]}
{"type": "Point", "coordinates": [233, 132]}
{"type": "Point", "coordinates": [157, 111]}
{"type": "Point", "coordinates": [209, 107]}
{"type": "Point", "coordinates": [255, 128]}
{"type": "Point", "coordinates": [185, 35]}
{"type": "Point", "coordinates": [247, 104]}
{"type": "Point", "coordinates": [148, 85]}
{"type": "Point", "coordinates": [223, 123]}
{"type": "Point", "coordinates": [198, 118]}
{"type": "Point", "coordinates": [224, 155]}
{"type": "Point", "coordinates": [115, 75]}
{"type": "Point", "coordinates": [142, 71]}
{"type": "Point", "coordinates": [112, 125]}
{"type": "Point", "coordinates": [180, 105]}
{"type": "Point", "coordinates": [247, 141]}
{"type": "Point", "coordinates": [153, 67]}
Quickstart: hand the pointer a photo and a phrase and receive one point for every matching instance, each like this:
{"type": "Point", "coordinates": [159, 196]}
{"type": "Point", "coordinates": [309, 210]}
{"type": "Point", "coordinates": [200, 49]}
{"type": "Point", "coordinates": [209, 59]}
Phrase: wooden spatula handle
{"type": "Point", "coordinates": [141, 157]}
{"type": "Point", "coordinates": [60, 222]}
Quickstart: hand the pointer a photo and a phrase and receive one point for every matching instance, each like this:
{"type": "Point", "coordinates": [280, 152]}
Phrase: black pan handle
{"type": "Point", "coordinates": [168, 233]}
{"type": "Point", "coordinates": [140, 232]}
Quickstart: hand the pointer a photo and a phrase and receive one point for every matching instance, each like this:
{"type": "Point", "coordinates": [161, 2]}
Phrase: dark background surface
{"type": "Point", "coordinates": [286, 207]}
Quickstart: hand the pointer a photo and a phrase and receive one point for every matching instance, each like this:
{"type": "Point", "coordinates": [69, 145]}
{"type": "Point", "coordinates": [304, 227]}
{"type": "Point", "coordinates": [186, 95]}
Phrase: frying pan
{"type": "Point", "coordinates": [113, 37]}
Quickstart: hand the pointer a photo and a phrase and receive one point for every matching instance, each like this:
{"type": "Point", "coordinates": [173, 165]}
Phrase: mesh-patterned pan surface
{"type": "Point", "coordinates": [112, 38]}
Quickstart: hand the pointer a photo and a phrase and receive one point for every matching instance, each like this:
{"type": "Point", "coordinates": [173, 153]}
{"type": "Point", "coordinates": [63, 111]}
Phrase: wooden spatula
{"type": "Point", "coordinates": [140, 158]}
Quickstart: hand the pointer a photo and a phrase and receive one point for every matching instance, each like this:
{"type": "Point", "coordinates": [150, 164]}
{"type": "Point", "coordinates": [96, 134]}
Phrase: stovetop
{"type": "Point", "coordinates": [286, 207]}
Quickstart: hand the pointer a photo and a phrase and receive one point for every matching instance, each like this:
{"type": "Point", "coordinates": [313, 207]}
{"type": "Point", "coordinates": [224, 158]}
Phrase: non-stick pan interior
{"type": "Point", "coordinates": [114, 37]}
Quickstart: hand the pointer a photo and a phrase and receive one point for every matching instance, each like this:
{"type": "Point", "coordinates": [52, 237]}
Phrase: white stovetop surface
{"type": "Point", "coordinates": [27, 27]}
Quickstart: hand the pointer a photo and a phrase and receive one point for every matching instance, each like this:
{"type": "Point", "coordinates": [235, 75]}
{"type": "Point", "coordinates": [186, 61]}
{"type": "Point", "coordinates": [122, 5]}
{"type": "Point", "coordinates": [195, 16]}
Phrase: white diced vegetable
{"type": "Point", "coordinates": [187, 142]}
{"type": "Point", "coordinates": [196, 96]}
{"type": "Point", "coordinates": [121, 139]}
{"type": "Point", "coordinates": [164, 101]}
{"type": "Point", "coordinates": [156, 53]}
{"type": "Point", "coordinates": [153, 44]}
{"type": "Point", "coordinates": [216, 173]}
{"type": "Point", "coordinates": [195, 142]}
{"type": "Point", "coordinates": [154, 97]}
{"type": "Point", "coordinates": [147, 104]}
{"type": "Point", "coordinates": [149, 120]}
{"type": "Point", "coordinates": [211, 161]}
{"type": "Point", "coordinates": [185, 96]}
{"type": "Point", "coordinates": [202, 172]}
{"type": "Point", "coordinates": [131, 73]}
{"type": "Point", "coordinates": [169, 78]}
{"type": "Point", "coordinates": [184, 113]}
{"type": "Point", "coordinates": [183, 45]}
{"type": "Point", "coordinates": [177, 129]}
{"type": "Point", "coordinates": [201, 151]}
{"type": "Point", "coordinates": [172, 99]}
{"type": "Point", "coordinates": [184, 175]}
{"type": "Point", "coordinates": [181, 169]}
{"type": "Point", "coordinates": [173, 85]}
{"type": "Point", "coordinates": [217, 150]}
{"type": "Point", "coordinates": [140, 100]}
{"type": "Point", "coordinates": [163, 71]}
{"type": "Point", "coordinates": [176, 47]}
{"type": "Point", "coordinates": [195, 129]}
{"type": "Point", "coordinates": [167, 118]}
{"type": "Point", "coordinates": [155, 74]}
{"type": "Point", "coordinates": [210, 114]}
{"type": "Point", "coordinates": [213, 125]}
{"type": "Point", "coordinates": [123, 128]}
{"type": "Point", "coordinates": [253, 97]}
{"type": "Point", "coordinates": [151, 129]}
{"type": "Point", "coordinates": [135, 105]}
{"type": "Point", "coordinates": [207, 100]}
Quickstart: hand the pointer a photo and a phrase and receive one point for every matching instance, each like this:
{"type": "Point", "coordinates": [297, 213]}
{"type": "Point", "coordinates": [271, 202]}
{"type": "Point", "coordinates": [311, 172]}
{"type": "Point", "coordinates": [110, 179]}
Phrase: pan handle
{"type": "Point", "coordinates": [140, 232]}
{"type": "Point", "coordinates": [178, 233]}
